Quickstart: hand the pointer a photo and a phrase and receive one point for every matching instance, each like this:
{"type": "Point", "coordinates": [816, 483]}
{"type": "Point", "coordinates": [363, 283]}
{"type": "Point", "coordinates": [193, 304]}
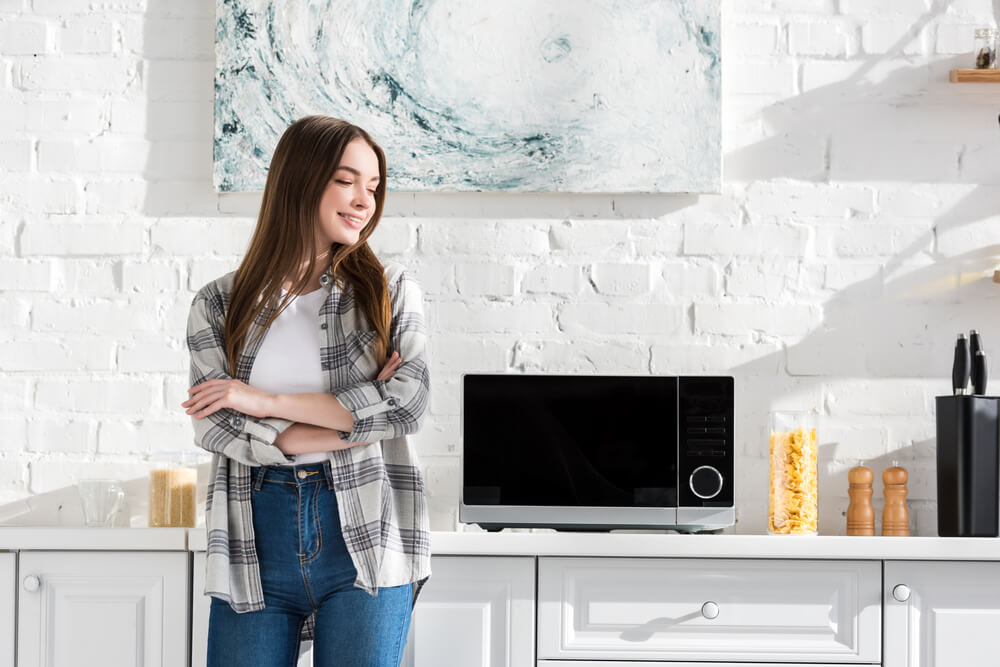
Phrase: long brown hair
{"type": "Point", "coordinates": [304, 161]}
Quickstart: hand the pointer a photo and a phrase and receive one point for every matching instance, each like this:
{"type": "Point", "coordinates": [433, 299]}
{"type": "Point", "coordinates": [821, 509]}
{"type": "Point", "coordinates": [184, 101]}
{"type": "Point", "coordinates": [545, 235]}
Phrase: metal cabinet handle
{"type": "Point", "coordinates": [901, 592]}
{"type": "Point", "coordinates": [32, 583]}
{"type": "Point", "coordinates": [710, 610]}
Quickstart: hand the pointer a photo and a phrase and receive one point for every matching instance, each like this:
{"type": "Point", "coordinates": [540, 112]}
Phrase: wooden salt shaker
{"type": "Point", "coordinates": [895, 516]}
{"type": "Point", "coordinates": [860, 513]}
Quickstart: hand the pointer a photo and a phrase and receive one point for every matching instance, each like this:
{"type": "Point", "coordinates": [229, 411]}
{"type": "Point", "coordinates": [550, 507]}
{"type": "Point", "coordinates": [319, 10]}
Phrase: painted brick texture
{"type": "Point", "coordinates": [855, 235]}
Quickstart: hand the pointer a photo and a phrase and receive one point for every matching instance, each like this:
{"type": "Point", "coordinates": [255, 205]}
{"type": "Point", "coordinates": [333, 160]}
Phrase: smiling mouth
{"type": "Point", "coordinates": [351, 220]}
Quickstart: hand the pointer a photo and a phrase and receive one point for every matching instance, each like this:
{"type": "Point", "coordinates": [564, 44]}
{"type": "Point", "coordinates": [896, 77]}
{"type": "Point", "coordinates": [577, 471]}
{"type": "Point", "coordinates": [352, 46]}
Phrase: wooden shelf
{"type": "Point", "coordinates": [975, 75]}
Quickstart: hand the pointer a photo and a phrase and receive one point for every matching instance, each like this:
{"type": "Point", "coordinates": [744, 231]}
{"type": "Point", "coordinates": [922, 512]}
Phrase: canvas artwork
{"type": "Point", "coordinates": [581, 96]}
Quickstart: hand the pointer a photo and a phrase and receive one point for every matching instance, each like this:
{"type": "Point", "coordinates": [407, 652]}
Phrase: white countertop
{"type": "Point", "coordinates": [622, 544]}
{"type": "Point", "coordinates": [58, 538]}
{"type": "Point", "coordinates": [699, 546]}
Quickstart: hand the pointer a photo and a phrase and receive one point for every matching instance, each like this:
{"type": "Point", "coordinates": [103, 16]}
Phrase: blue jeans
{"type": "Point", "coordinates": [305, 567]}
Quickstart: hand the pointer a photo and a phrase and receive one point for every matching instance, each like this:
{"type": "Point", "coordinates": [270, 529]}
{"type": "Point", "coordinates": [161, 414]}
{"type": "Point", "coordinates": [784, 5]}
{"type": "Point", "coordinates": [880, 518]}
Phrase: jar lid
{"type": "Point", "coordinates": [985, 32]}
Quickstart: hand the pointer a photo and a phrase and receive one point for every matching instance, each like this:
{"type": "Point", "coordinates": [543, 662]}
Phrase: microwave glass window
{"type": "Point", "coordinates": [556, 440]}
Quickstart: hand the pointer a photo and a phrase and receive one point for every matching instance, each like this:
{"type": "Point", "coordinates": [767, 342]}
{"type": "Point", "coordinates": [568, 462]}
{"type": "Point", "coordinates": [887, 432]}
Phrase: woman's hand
{"type": "Point", "coordinates": [391, 364]}
{"type": "Point", "coordinates": [213, 395]}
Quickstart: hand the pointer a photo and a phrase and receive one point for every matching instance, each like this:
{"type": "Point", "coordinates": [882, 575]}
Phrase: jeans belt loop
{"type": "Point", "coordinates": [328, 471]}
{"type": "Point", "coordinates": [259, 478]}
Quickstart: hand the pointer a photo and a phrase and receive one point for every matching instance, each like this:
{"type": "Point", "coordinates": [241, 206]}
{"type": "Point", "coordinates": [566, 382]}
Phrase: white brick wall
{"type": "Point", "coordinates": [854, 237]}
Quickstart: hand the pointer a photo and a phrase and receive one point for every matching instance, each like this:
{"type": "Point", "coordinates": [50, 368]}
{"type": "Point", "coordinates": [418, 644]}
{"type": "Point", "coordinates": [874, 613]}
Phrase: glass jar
{"type": "Point", "coordinates": [173, 489]}
{"type": "Point", "coordinates": [793, 499]}
{"type": "Point", "coordinates": [986, 48]}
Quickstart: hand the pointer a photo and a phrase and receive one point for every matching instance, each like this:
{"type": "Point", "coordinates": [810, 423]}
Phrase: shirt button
{"type": "Point", "coordinates": [322, 326]}
{"type": "Point", "coordinates": [236, 421]}
{"type": "Point", "coordinates": [324, 279]}
{"type": "Point", "coordinates": [392, 401]}
{"type": "Point", "coordinates": [302, 474]}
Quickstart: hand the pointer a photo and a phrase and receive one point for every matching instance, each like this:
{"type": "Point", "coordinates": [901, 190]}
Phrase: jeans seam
{"type": "Point", "coordinates": [319, 528]}
{"type": "Point", "coordinates": [400, 641]}
{"type": "Point", "coordinates": [298, 643]}
{"type": "Point", "coordinates": [307, 583]}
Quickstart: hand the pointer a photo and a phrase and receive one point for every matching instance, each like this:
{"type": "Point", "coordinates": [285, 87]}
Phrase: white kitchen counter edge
{"type": "Point", "coordinates": [13, 538]}
{"type": "Point", "coordinates": [77, 538]}
{"type": "Point", "coordinates": [700, 546]}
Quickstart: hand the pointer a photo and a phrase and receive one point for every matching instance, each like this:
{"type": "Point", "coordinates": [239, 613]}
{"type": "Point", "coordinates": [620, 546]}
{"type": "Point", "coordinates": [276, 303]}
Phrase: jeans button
{"type": "Point", "coordinates": [302, 474]}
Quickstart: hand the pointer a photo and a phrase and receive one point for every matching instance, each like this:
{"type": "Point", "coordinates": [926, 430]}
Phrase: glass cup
{"type": "Point", "coordinates": [793, 498]}
{"type": "Point", "coordinates": [102, 499]}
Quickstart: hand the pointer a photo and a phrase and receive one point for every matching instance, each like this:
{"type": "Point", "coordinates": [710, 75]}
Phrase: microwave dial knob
{"type": "Point", "coordinates": [705, 482]}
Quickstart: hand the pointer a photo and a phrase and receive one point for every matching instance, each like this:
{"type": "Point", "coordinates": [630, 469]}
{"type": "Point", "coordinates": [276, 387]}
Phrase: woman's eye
{"type": "Point", "coordinates": [343, 182]}
{"type": "Point", "coordinates": [372, 192]}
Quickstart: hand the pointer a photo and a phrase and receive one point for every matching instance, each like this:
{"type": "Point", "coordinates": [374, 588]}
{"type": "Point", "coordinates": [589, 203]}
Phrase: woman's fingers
{"type": "Point", "coordinates": [208, 384]}
{"type": "Point", "coordinates": [204, 399]}
{"type": "Point", "coordinates": [391, 364]}
{"type": "Point", "coordinates": [214, 407]}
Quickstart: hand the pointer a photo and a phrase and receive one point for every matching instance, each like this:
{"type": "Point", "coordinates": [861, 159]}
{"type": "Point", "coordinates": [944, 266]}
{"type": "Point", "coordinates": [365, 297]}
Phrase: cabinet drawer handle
{"type": "Point", "coordinates": [31, 583]}
{"type": "Point", "coordinates": [901, 592]}
{"type": "Point", "coordinates": [710, 610]}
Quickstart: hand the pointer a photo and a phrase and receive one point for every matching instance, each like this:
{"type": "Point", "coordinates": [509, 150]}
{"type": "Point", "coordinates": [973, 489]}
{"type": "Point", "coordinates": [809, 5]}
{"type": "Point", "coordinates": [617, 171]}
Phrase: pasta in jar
{"type": "Point", "coordinates": [792, 508]}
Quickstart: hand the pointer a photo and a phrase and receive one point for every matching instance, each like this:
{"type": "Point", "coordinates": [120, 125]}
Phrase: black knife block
{"type": "Point", "coordinates": [968, 466]}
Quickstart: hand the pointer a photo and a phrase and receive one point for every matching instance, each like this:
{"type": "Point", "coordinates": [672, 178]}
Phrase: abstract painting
{"type": "Point", "coordinates": [612, 96]}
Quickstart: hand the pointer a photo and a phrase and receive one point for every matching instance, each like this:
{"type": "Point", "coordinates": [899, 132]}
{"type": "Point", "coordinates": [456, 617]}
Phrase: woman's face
{"type": "Point", "coordinates": [348, 201]}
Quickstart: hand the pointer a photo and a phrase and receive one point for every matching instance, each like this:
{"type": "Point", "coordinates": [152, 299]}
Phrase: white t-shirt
{"type": "Point", "coordinates": [288, 359]}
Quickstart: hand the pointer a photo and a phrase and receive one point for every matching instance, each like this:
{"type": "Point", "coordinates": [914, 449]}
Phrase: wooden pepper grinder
{"type": "Point", "coordinates": [895, 516]}
{"type": "Point", "coordinates": [860, 513]}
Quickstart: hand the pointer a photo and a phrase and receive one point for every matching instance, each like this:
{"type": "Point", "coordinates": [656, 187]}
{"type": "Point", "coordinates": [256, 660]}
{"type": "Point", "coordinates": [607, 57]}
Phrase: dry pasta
{"type": "Point", "coordinates": [794, 469]}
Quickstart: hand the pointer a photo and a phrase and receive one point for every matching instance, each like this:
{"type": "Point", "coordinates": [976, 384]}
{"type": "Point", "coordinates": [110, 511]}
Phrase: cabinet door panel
{"type": "Point", "coordinates": [8, 581]}
{"type": "Point", "coordinates": [114, 609]}
{"type": "Point", "coordinates": [949, 615]}
{"type": "Point", "coordinates": [475, 612]}
{"type": "Point", "coordinates": [709, 610]}
{"type": "Point", "coordinates": [200, 606]}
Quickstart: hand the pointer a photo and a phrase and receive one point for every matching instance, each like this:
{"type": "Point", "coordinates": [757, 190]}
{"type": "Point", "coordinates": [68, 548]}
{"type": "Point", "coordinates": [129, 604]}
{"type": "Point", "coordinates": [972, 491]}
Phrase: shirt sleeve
{"type": "Point", "coordinates": [247, 439]}
{"type": "Point", "coordinates": [384, 409]}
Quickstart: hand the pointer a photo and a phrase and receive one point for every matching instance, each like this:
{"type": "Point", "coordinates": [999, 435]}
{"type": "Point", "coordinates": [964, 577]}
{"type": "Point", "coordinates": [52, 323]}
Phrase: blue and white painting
{"type": "Point", "coordinates": [520, 96]}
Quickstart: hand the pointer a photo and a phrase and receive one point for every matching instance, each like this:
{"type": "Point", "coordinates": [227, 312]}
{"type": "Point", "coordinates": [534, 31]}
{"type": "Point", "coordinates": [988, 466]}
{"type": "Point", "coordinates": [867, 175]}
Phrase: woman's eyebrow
{"type": "Point", "coordinates": [356, 172]}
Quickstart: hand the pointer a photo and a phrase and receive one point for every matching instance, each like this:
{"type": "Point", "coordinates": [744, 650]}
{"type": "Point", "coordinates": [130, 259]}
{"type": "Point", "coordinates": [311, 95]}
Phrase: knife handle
{"type": "Point", "coordinates": [979, 373]}
{"type": "Point", "coordinates": [961, 367]}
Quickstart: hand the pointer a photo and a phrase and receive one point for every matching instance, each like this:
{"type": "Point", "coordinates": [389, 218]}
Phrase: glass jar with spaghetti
{"type": "Point", "coordinates": [793, 501]}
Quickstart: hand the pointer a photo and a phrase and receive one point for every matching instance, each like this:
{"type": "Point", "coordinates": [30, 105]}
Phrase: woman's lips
{"type": "Point", "coordinates": [355, 224]}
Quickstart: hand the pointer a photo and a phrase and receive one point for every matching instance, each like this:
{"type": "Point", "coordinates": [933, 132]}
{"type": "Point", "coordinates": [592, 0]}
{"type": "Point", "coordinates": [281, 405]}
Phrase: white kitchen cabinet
{"type": "Point", "coordinates": [475, 612]}
{"type": "Point", "coordinates": [8, 610]}
{"type": "Point", "coordinates": [113, 609]}
{"type": "Point", "coordinates": [941, 614]}
{"type": "Point", "coordinates": [644, 609]}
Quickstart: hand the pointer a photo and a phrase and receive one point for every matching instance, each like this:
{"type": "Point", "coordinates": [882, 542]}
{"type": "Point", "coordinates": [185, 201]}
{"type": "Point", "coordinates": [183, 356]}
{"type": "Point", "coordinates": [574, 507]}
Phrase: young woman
{"type": "Point", "coordinates": [308, 371]}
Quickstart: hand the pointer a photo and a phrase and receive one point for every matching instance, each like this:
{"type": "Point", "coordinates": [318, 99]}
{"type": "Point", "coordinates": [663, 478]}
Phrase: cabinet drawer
{"type": "Point", "coordinates": [606, 663]}
{"type": "Point", "coordinates": [709, 609]}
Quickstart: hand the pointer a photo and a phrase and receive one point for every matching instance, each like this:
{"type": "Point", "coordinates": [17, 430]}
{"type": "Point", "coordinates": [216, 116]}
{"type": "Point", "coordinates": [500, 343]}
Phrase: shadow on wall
{"type": "Point", "coordinates": [899, 322]}
{"type": "Point", "coordinates": [880, 328]}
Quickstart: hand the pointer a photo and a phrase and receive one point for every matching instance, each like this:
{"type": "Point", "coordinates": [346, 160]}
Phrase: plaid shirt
{"type": "Point", "coordinates": [380, 491]}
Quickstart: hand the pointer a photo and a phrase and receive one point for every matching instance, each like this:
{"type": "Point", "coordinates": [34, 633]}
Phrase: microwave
{"type": "Point", "coordinates": [597, 453]}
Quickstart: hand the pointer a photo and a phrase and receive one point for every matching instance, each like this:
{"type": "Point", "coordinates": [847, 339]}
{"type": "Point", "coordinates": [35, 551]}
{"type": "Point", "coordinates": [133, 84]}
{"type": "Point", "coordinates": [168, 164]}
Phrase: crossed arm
{"type": "Point", "coordinates": [318, 416]}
